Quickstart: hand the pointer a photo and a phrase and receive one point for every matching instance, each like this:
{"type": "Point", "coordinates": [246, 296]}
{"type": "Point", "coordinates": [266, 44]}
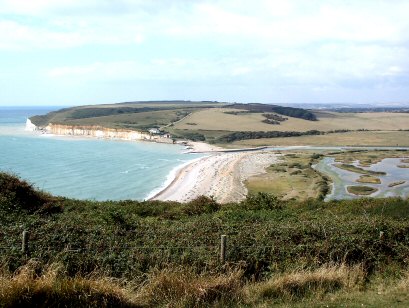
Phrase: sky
{"type": "Point", "coordinates": [76, 52]}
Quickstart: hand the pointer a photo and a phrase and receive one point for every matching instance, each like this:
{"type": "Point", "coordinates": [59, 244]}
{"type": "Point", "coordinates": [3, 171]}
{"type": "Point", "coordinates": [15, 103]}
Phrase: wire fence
{"type": "Point", "coordinates": [27, 247]}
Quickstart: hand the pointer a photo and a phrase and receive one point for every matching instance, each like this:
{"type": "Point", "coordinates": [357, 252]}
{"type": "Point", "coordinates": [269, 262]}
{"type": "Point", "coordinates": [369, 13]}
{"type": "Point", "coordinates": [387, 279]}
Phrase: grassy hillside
{"type": "Point", "coordinates": [221, 123]}
{"type": "Point", "coordinates": [137, 115]}
{"type": "Point", "coordinates": [218, 119]}
{"type": "Point", "coordinates": [360, 138]}
{"type": "Point", "coordinates": [278, 252]}
{"type": "Point", "coordinates": [363, 128]}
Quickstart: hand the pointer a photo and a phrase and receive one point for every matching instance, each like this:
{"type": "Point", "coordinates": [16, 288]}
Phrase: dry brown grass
{"type": "Point", "coordinates": [217, 119]}
{"type": "Point", "coordinates": [305, 283]}
{"type": "Point", "coordinates": [374, 138]}
{"type": "Point", "coordinates": [31, 286]}
{"type": "Point", "coordinates": [182, 288]}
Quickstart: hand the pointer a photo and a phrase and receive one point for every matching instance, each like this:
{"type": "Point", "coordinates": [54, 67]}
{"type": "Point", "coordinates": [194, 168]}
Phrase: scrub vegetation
{"type": "Point", "coordinates": [152, 253]}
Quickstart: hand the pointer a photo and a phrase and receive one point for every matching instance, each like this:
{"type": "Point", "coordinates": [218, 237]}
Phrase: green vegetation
{"type": "Point", "coordinates": [152, 253]}
{"type": "Point", "coordinates": [353, 138]}
{"type": "Point", "coordinates": [214, 120]}
{"type": "Point", "coordinates": [356, 169]}
{"type": "Point", "coordinates": [403, 166]}
{"type": "Point", "coordinates": [396, 183]}
{"type": "Point", "coordinates": [262, 134]}
{"type": "Point", "coordinates": [361, 190]}
{"type": "Point", "coordinates": [136, 116]}
{"type": "Point", "coordinates": [369, 179]}
{"type": "Point", "coordinates": [271, 118]}
{"type": "Point", "coordinates": [287, 111]}
{"type": "Point", "coordinates": [194, 136]}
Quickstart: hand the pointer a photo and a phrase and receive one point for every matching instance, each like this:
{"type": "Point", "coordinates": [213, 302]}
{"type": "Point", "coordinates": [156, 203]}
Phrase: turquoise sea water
{"type": "Point", "coordinates": [84, 168]}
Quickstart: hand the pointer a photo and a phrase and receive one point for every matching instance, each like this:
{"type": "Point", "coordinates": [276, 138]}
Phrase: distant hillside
{"type": "Point", "coordinates": [288, 111]}
{"type": "Point", "coordinates": [129, 115]}
{"type": "Point", "coordinates": [211, 121]}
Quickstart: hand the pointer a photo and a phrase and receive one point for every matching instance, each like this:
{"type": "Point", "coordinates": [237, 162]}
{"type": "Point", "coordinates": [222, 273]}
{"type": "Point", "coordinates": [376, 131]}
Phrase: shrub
{"type": "Point", "coordinates": [262, 200]}
{"type": "Point", "coordinates": [201, 205]}
{"type": "Point", "coordinates": [16, 195]}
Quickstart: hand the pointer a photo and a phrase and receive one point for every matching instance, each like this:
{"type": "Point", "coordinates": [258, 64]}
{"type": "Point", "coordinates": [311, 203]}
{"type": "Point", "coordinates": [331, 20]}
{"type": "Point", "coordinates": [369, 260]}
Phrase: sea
{"type": "Point", "coordinates": [85, 168]}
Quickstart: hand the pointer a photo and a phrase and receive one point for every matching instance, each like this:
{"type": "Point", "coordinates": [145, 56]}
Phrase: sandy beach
{"type": "Point", "coordinates": [220, 175]}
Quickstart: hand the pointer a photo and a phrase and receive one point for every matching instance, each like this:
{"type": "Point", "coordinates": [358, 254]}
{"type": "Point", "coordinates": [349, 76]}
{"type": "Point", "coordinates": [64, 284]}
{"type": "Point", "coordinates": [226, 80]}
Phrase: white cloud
{"type": "Point", "coordinates": [319, 44]}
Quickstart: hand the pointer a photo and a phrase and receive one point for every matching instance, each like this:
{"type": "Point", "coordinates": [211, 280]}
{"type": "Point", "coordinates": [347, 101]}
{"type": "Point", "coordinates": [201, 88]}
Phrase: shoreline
{"type": "Point", "coordinates": [220, 175]}
{"type": "Point", "coordinates": [170, 179]}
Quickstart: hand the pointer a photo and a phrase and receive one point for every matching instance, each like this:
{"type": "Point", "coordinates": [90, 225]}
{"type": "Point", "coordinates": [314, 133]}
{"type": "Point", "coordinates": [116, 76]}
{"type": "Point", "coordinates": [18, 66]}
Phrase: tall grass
{"type": "Point", "coordinates": [181, 287]}
{"type": "Point", "coordinates": [32, 286]}
{"type": "Point", "coordinates": [307, 283]}
{"type": "Point", "coordinates": [35, 286]}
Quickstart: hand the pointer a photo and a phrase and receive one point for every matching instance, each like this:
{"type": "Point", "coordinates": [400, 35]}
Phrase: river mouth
{"type": "Point", "coordinates": [395, 183]}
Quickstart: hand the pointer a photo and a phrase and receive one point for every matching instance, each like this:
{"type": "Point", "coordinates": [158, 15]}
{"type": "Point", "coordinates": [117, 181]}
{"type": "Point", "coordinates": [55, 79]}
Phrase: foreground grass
{"type": "Point", "coordinates": [131, 253]}
{"type": "Point", "coordinates": [329, 285]}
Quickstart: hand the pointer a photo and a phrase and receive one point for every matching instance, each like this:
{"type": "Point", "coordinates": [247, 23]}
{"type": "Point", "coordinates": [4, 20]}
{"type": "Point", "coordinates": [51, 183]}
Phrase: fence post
{"type": "Point", "coordinates": [223, 245]}
{"type": "Point", "coordinates": [24, 243]}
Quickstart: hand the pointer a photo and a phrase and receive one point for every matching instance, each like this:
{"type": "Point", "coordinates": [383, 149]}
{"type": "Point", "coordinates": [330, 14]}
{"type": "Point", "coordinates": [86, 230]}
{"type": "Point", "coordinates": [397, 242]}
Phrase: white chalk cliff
{"type": "Point", "coordinates": [97, 132]}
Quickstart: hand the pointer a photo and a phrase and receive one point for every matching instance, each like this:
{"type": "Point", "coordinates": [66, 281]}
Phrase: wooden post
{"type": "Point", "coordinates": [223, 245]}
{"type": "Point", "coordinates": [24, 243]}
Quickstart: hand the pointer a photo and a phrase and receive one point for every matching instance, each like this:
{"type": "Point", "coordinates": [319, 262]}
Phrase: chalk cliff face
{"type": "Point", "coordinates": [98, 132]}
{"type": "Point", "coordinates": [30, 126]}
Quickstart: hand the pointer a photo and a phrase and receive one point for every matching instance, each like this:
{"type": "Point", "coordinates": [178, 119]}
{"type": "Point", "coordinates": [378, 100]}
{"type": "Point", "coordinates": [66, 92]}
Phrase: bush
{"type": "Point", "coordinates": [201, 205]}
{"type": "Point", "coordinates": [262, 201]}
{"type": "Point", "coordinates": [16, 195]}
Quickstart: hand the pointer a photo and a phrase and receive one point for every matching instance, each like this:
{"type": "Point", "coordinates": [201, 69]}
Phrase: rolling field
{"type": "Point", "coordinates": [362, 138]}
{"type": "Point", "coordinates": [141, 120]}
{"type": "Point", "coordinates": [218, 119]}
{"type": "Point", "coordinates": [124, 115]}
{"type": "Point", "coordinates": [214, 123]}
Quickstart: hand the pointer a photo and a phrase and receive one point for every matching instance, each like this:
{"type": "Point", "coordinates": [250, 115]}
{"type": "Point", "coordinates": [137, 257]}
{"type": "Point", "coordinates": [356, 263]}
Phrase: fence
{"type": "Point", "coordinates": [25, 247]}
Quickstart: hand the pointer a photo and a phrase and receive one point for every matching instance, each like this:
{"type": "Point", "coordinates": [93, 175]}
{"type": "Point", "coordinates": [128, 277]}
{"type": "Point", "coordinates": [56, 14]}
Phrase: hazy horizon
{"type": "Point", "coordinates": [70, 52]}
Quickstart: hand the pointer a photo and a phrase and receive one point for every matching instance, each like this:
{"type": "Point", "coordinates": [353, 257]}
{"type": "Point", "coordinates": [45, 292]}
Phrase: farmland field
{"type": "Point", "coordinates": [218, 119]}
{"type": "Point", "coordinates": [361, 138]}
